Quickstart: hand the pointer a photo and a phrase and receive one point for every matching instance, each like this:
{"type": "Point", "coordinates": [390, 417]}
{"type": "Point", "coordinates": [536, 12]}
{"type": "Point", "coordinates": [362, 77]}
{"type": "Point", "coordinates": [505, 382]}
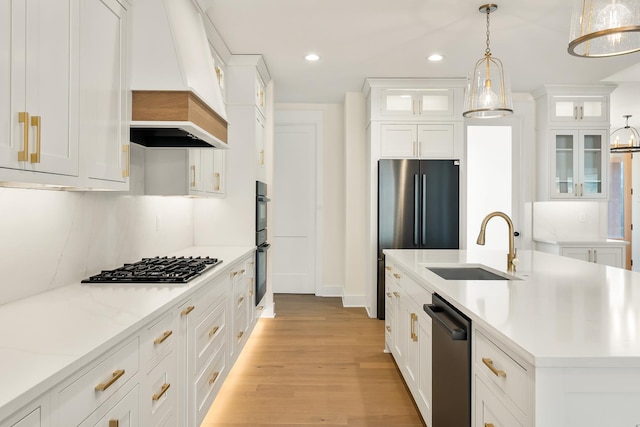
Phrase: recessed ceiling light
{"type": "Point", "coordinates": [435, 57]}
{"type": "Point", "coordinates": [312, 57]}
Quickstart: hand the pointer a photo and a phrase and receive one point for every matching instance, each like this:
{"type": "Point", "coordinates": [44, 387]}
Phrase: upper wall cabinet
{"type": "Point", "coordinates": [415, 118]}
{"type": "Point", "coordinates": [39, 72]}
{"type": "Point", "coordinates": [64, 69]}
{"type": "Point", "coordinates": [573, 142]}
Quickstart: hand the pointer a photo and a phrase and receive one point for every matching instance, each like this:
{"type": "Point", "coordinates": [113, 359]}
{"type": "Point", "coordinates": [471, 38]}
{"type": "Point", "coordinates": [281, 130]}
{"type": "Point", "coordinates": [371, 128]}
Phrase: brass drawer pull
{"type": "Point", "coordinates": [114, 423]}
{"type": "Point", "coordinates": [397, 294]}
{"type": "Point", "coordinates": [163, 390]}
{"type": "Point", "coordinates": [389, 328]}
{"type": "Point", "coordinates": [240, 300]}
{"type": "Point", "coordinates": [115, 377]}
{"type": "Point", "coordinates": [23, 117]}
{"type": "Point", "coordinates": [389, 294]}
{"type": "Point", "coordinates": [414, 318]}
{"type": "Point", "coordinates": [488, 425]}
{"type": "Point", "coordinates": [187, 310]}
{"type": "Point", "coordinates": [388, 267]}
{"type": "Point", "coordinates": [163, 338]}
{"type": "Point", "coordinates": [240, 334]}
{"type": "Point", "coordinates": [396, 275]}
{"type": "Point", "coordinates": [213, 331]}
{"type": "Point", "coordinates": [213, 377]}
{"type": "Point", "coordinates": [496, 372]}
{"type": "Point", "coordinates": [36, 122]}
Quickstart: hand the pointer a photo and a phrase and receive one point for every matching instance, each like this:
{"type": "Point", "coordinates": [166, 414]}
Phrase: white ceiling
{"type": "Point", "coordinates": [357, 39]}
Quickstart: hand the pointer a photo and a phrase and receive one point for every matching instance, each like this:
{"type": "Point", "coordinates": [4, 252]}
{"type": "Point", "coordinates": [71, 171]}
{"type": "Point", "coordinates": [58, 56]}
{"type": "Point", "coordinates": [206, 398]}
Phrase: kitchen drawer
{"type": "Point", "coordinates": [100, 382]}
{"type": "Point", "coordinates": [159, 396]}
{"type": "Point", "coordinates": [489, 410]}
{"type": "Point", "coordinates": [208, 385]}
{"type": "Point", "coordinates": [239, 328]}
{"type": "Point", "coordinates": [158, 339]}
{"type": "Point", "coordinates": [119, 412]}
{"type": "Point", "coordinates": [209, 335]}
{"type": "Point", "coordinates": [501, 370]}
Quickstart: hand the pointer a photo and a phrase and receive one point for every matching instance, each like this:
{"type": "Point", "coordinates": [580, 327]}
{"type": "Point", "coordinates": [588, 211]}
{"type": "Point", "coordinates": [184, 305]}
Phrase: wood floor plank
{"type": "Point", "coordinates": [315, 364]}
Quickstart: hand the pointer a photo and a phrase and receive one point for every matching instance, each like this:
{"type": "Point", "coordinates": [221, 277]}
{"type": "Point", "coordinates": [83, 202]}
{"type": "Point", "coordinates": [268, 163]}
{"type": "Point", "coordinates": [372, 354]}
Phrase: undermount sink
{"type": "Point", "coordinates": [469, 273]}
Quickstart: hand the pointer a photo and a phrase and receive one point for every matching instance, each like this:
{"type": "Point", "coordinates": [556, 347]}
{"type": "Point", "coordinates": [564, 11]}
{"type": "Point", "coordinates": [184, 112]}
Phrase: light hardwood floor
{"type": "Point", "coordinates": [315, 364]}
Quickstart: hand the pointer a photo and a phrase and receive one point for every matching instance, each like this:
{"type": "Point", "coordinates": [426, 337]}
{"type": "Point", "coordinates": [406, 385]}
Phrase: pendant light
{"type": "Point", "coordinates": [631, 145]}
{"type": "Point", "coordinates": [488, 94]}
{"type": "Point", "coordinates": [601, 28]}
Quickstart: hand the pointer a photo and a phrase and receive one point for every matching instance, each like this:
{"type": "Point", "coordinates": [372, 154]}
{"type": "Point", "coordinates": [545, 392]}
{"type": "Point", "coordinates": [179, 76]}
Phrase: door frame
{"type": "Point", "coordinates": [316, 119]}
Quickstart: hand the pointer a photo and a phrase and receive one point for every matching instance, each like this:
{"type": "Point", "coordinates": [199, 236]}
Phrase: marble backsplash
{"type": "Point", "coordinates": [50, 239]}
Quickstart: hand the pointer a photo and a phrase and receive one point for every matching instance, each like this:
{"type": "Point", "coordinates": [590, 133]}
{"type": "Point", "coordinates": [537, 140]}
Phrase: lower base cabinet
{"type": "Point", "coordinates": [607, 253]}
{"type": "Point", "coordinates": [167, 374]}
{"type": "Point", "coordinates": [490, 411]}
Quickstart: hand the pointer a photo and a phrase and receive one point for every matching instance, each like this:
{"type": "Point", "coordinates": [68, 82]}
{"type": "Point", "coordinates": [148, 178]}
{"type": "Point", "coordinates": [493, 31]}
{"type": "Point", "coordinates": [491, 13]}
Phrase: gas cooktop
{"type": "Point", "coordinates": [168, 270]}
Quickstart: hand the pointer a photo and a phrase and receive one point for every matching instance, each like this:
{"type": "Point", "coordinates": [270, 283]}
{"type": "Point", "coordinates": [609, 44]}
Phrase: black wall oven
{"type": "Point", "coordinates": [261, 241]}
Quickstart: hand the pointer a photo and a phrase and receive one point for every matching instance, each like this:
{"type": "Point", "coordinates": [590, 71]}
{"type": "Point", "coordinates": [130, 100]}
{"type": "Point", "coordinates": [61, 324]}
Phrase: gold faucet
{"type": "Point", "coordinates": [511, 256]}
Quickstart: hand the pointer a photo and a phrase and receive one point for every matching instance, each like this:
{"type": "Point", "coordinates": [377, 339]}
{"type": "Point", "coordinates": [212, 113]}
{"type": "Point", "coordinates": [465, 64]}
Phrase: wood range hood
{"type": "Point", "coordinates": [176, 100]}
{"type": "Point", "coordinates": [175, 119]}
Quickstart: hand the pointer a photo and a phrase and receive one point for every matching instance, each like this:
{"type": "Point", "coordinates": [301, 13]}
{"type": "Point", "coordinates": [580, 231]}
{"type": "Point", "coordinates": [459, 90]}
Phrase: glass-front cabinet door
{"type": "Point", "coordinates": [579, 162]}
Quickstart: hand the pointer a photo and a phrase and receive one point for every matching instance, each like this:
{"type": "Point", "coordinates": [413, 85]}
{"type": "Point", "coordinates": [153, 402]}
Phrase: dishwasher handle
{"type": "Point", "coordinates": [438, 314]}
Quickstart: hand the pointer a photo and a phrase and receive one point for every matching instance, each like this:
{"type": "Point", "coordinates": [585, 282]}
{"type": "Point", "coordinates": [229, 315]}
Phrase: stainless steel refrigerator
{"type": "Point", "coordinates": [418, 208]}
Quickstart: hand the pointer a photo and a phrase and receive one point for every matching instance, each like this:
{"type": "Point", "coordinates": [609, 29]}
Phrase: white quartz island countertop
{"type": "Point", "coordinates": [48, 336]}
{"type": "Point", "coordinates": [557, 311]}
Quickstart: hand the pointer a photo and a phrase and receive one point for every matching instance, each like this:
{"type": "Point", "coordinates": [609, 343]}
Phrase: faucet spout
{"type": "Point", "coordinates": [511, 256]}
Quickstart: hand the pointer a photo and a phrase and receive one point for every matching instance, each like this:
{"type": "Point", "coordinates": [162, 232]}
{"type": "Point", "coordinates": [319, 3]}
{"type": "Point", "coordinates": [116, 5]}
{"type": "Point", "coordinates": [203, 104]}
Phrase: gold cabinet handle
{"type": "Point", "coordinates": [163, 390]}
{"type": "Point", "coordinates": [213, 331]}
{"type": "Point", "coordinates": [23, 117]}
{"type": "Point", "coordinates": [396, 275]}
{"type": "Point", "coordinates": [488, 425]}
{"type": "Point", "coordinates": [234, 274]}
{"type": "Point", "coordinates": [213, 377]}
{"type": "Point", "coordinates": [261, 97]}
{"type": "Point", "coordinates": [251, 292]}
{"type": "Point", "coordinates": [219, 75]}
{"type": "Point", "coordinates": [414, 318]}
{"type": "Point", "coordinates": [217, 178]}
{"type": "Point", "coordinates": [36, 121]}
{"type": "Point", "coordinates": [261, 157]}
{"type": "Point", "coordinates": [242, 271]}
{"type": "Point", "coordinates": [127, 170]}
{"type": "Point", "coordinates": [389, 294]}
{"type": "Point", "coordinates": [114, 423]}
{"type": "Point", "coordinates": [240, 334]}
{"type": "Point", "coordinates": [187, 310]}
{"type": "Point", "coordinates": [115, 377]}
{"type": "Point", "coordinates": [164, 336]}
{"type": "Point", "coordinates": [575, 192]}
{"type": "Point", "coordinates": [388, 267]}
{"type": "Point", "coordinates": [581, 190]}
{"type": "Point", "coordinates": [193, 176]}
{"type": "Point", "coordinates": [260, 308]}
{"type": "Point", "coordinates": [240, 300]}
{"type": "Point", "coordinates": [389, 328]}
{"type": "Point", "coordinates": [496, 372]}
{"type": "Point", "coordinates": [397, 294]}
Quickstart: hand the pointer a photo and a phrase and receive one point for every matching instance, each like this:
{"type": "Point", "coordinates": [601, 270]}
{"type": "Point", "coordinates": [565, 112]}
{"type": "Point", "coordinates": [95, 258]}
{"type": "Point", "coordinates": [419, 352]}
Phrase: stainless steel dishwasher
{"type": "Point", "coordinates": [451, 360]}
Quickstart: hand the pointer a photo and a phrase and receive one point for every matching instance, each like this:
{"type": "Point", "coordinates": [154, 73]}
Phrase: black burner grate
{"type": "Point", "coordinates": [156, 270]}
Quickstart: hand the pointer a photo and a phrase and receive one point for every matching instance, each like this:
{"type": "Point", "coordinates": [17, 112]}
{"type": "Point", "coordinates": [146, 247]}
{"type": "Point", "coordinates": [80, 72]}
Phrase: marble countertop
{"type": "Point", "coordinates": [557, 312]}
{"type": "Point", "coordinates": [48, 336]}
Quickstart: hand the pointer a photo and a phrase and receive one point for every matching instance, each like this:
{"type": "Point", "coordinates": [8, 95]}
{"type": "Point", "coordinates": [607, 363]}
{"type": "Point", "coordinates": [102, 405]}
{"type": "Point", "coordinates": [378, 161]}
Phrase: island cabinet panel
{"type": "Point", "coordinates": [409, 335]}
{"type": "Point", "coordinates": [35, 414]}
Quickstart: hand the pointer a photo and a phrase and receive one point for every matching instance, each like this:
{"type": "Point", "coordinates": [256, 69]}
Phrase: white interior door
{"type": "Point", "coordinates": [294, 209]}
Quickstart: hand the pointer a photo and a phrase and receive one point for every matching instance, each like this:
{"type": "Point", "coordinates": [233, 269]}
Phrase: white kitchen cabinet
{"type": "Point", "coordinates": [185, 172]}
{"type": "Point", "coordinates": [101, 381]}
{"type": "Point", "coordinates": [104, 87]}
{"type": "Point", "coordinates": [568, 108]}
{"type": "Point", "coordinates": [398, 103]}
{"type": "Point", "coordinates": [261, 146]}
{"type": "Point", "coordinates": [35, 414]}
{"type": "Point", "coordinates": [40, 104]}
{"type": "Point", "coordinates": [579, 164]}
{"type": "Point", "coordinates": [610, 252]}
{"type": "Point", "coordinates": [411, 336]}
{"type": "Point", "coordinates": [431, 141]}
{"type": "Point", "coordinates": [572, 149]}
{"type": "Point", "coordinates": [123, 413]}
{"type": "Point", "coordinates": [502, 384]}
{"type": "Point", "coordinates": [242, 308]}
{"type": "Point", "coordinates": [260, 95]}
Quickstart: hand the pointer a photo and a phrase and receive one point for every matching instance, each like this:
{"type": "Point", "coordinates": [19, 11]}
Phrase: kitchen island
{"type": "Point", "coordinates": [569, 329]}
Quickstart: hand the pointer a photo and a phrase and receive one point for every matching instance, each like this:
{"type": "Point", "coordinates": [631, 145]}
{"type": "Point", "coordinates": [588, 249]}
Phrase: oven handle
{"type": "Point", "coordinates": [264, 247]}
{"type": "Point", "coordinates": [263, 199]}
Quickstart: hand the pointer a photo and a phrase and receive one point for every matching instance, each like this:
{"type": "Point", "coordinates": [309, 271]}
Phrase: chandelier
{"type": "Point", "coordinates": [487, 95]}
{"type": "Point", "coordinates": [601, 28]}
{"type": "Point", "coordinates": [631, 145]}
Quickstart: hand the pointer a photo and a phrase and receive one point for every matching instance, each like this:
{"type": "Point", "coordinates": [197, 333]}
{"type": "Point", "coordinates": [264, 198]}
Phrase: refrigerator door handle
{"type": "Point", "coordinates": [416, 210]}
{"type": "Point", "coordinates": [424, 210]}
